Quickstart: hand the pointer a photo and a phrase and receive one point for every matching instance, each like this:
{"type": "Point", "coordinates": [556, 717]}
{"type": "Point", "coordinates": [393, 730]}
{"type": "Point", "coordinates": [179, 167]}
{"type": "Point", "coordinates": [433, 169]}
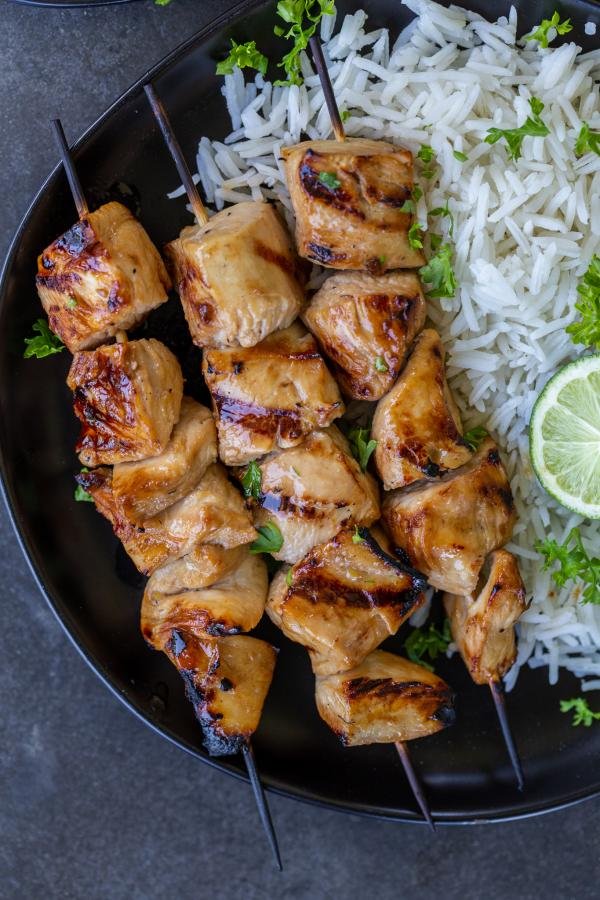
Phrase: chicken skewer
{"type": "Point", "coordinates": [482, 626]}
{"type": "Point", "coordinates": [202, 218]}
{"type": "Point", "coordinates": [227, 303]}
{"type": "Point", "coordinates": [350, 197]}
{"type": "Point", "coordinates": [103, 275]}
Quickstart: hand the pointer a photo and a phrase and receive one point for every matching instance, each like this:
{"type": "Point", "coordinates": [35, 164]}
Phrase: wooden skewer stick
{"type": "Point", "coordinates": [261, 803]}
{"type": "Point", "coordinates": [69, 167]}
{"type": "Point", "coordinates": [177, 154]}
{"type": "Point", "coordinates": [414, 782]}
{"type": "Point", "coordinates": [321, 66]}
{"type": "Point", "coordinates": [498, 695]}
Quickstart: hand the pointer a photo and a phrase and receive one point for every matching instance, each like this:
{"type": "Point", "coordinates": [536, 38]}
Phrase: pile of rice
{"type": "Point", "coordinates": [524, 233]}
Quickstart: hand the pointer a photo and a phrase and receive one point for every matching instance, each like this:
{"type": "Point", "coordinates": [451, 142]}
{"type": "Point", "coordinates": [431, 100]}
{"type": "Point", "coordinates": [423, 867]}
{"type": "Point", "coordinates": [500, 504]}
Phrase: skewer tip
{"type": "Point", "coordinates": [70, 171]}
{"type": "Point", "coordinates": [321, 67]}
{"type": "Point", "coordinates": [415, 784]}
{"type": "Point", "coordinates": [261, 802]}
{"type": "Point", "coordinates": [500, 704]}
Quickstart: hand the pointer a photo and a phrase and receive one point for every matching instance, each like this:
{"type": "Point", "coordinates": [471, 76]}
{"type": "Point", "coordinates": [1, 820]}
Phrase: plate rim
{"type": "Point", "coordinates": [227, 765]}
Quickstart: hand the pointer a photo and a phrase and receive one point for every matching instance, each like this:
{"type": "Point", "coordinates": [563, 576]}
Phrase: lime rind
{"type": "Point", "coordinates": [564, 436]}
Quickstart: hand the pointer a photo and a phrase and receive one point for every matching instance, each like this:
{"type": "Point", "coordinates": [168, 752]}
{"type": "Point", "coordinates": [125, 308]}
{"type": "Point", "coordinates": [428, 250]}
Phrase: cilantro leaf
{"type": "Point", "coordinates": [574, 563]}
{"type": "Point", "coordinates": [459, 155]}
{"type": "Point", "coordinates": [445, 212]}
{"type": "Point", "coordinates": [358, 536]}
{"type": "Point", "coordinates": [380, 364]}
{"type": "Point", "coordinates": [583, 715]}
{"type": "Point", "coordinates": [415, 236]}
{"type": "Point", "coordinates": [330, 180]}
{"type": "Point", "coordinates": [540, 34]}
{"type": "Point", "coordinates": [361, 446]}
{"type": "Point", "coordinates": [270, 539]}
{"type": "Point", "coordinates": [45, 344]}
{"type": "Point", "coordinates": [407, 207]}
{"type": "Point", "coordinates": [303, 17]}
{"type": "Point", "coordinates": [251, 480]}
{"type": "Point", "coordinates": [243, 56]}
{"type": "Point", "coordinates": [427, 642]}
{"type": "Point", "coordinates": [587, 141]}
{"type": "Point", "coordinates": [474, 437]}
{"type": "Point", "coordinates": [533, 126]}
{"type": "Point", "coordinates": [587, 329]}
{"type": "Point", "coordinates": [438, 272]}
{"type": "Point", "coordinates": [426, 153]}
{"type": "Point", "coordinates": [344, 114]}
{"type": "Point", "coordinates": [289, 577]}
{"type": "Point", "coordinates": [417, 193]}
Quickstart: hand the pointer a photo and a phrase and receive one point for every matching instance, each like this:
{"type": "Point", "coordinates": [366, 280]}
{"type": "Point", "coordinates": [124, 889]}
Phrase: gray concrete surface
{"type": "Point", "coordinates": [92, 803]}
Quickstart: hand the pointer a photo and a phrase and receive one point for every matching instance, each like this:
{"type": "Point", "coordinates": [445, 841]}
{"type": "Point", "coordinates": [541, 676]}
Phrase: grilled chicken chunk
{"type": "Point", "coordinates": [236, 276]}
{"type": "Point", "coordinates": [271, 395]}
{"type": "Point", "coordinates": [343, 599]}
{"type": "Point", "coordinates": [103, 275]}
{"type": "Point", "coordinates": [348, 200]}
{"type": "Point", "coordinates": [145, 488]}
{"type": "Point", "coordinates": [447, 528]}
{"type": "Point", "coordinates": [383, 700]}
{"type": "Point", "coordinates": [483, 623]}
{"type": "Point", "coordinates": [226, 680]}
{"type": "Point", "coordinates": [311, 491]}
{"type": "Point", "coordinates": [128, 398]}
{"type": "Point", "coordinates": [180, 598]}
{"type": "Point", "coordinates": [366, 324]}
{"type": "Point", "coordinates": [417, 424]}
{"type": "Point", "coordinates": [213, 513]}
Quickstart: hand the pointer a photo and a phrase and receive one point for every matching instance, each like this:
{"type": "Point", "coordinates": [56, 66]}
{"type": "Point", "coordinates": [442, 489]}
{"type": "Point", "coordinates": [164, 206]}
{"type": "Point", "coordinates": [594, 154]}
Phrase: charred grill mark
{"type": "Point", "coordinates": [206, 312]}
{"type": "Point", "coordinates": [493, 457]}
{"type": "Point", "coordinates": [381, 687]}
{"type": "Point", "coordinates": [396, 198]}
{"type": "Point", "coordinates": [61, 283]}
{"type": "Point", "coordinates": [402, 564]}
{"type": "Point", "coordinates": [114, 298]}
{"type": "Point", "coordinates": [237, 367]}
{"type": "Point", "coordinates": [324, 588]}
{"type": "Point", "coordinates": [284, 503]}
{"type": "Point", "coordinates": [445, 713]}
{"type": "Point", "coordinates": [77, 239]}
{"type": "Point", "coordinates": [285, 263]}
{"type": "Point", "coordinates": [258, 419]}
{"type": "Point", "coordinates": [324, 254]}
{"type": "Point", "coordinates": [93, 480]}
{"type": "Point", "coordinates": [337, 198]}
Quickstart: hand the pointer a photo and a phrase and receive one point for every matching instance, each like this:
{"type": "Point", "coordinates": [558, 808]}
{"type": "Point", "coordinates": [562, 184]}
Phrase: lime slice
{"type": "Point", "coordinates": [564, 436]}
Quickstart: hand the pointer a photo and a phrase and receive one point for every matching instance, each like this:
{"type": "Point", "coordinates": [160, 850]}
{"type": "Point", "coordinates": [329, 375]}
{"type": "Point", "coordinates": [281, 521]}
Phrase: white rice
{"type": "Point", "coordinates": [524, 233]}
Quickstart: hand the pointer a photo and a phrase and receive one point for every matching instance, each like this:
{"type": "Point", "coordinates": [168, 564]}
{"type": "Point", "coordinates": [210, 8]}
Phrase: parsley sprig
{"type": "Point", "coordinates": [533, 126]}
{"type": "Point", "coordinates": [427, 642]}
{"type": "Point", "coordinates": [439, 273]}
{"type": "Point", "coordinates": [415, 236]}
{"type": "Point", "coordinates": [587, 329]}
{"type": "Point", "coordinates": [361, 446]}
{"type": "Point", "coordinates": [45, 344]}
{"type": "Point", "coordinates": [269, 540]}
{"type": "Point", "coordinates": [588, 141]}
{"type": "Point", "coordinates": [474, 437]}
{"type": "Point", "coordinates": [574, 563]}
{"type": "Point", "coordinates": [582, 714]}
{"type": "Point", "coordinates": [251, 480]}
{"type": "Point", "coordinates": [330, 180]}
{"type": "Point", "coordinates": [446, 213]}
{"type": "Point", "coordinates": [243, 56]}
{"type": "Point", "coordinates": [540, 34]}
{"type": "Point", "coordinates": [303, 17]}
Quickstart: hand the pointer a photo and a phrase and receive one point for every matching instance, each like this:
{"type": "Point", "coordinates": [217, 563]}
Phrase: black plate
{"type": "Point", "coordinates": [92, 587]}
{"type": "Point", "coordinates": [69, 4]}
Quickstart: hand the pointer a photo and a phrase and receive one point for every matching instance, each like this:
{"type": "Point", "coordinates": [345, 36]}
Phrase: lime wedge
{"type": "Point", "coordinates": [564, 436]}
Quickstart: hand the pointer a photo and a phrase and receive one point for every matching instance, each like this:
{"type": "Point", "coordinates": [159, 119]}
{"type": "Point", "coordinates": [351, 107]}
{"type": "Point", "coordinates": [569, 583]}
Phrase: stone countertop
{"type": "Point", "coordinates": [92, 803]}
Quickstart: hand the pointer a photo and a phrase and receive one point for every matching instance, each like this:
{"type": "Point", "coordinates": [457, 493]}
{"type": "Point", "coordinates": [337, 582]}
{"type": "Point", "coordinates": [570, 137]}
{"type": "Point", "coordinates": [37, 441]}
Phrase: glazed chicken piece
{"type": "Point", "coordinates": [348, 199]}
{"type": "Point", "coordinates": [366, 324]}
{"type": "Point", "coordinates": [445, 529]}
{"type": "Point", "coordinates": [312, 491]}
{"type": "Point", "coordinates": [144, 488]}
{"type": "Point", "coordinates": [483, 623]}
{"type": "Point", "coordinates": [213, 513]}
{"type": "Point", "coordinates": [417, 424]}
{"type": "Point", "coordinates": [127, 397]}
{"type": "Point", "coordinates": [226, 680]}
{"type": "Point", "coordinates": [271, 395]}
{"type": "Point", "coordinates": [179, 596]}
{"type": "Point", "coordinates": [101, 276]}
{"type": "Point", "coordinates": [383, 700]}
{"type": "Point", "coordinates": [343, 599]}
{"type": "Point", "coordinates": [236, 276]}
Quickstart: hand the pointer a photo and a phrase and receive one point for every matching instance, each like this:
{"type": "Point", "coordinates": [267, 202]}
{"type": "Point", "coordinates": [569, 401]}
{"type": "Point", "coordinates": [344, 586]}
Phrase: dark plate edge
{"type": "Point", "coordinates": [400, 816]}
